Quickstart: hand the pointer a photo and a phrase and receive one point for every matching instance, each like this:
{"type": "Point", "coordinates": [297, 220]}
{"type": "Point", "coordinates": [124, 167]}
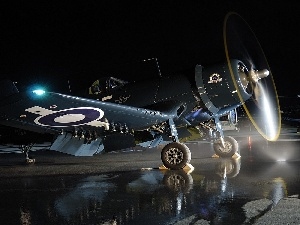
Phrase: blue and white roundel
{"type": "Point", "coordinates": [67, 117]}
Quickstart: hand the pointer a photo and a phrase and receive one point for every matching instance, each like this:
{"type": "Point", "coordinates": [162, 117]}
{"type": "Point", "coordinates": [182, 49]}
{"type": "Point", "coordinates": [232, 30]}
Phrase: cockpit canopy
{"type": "Point", "coordinates": [106, 85]}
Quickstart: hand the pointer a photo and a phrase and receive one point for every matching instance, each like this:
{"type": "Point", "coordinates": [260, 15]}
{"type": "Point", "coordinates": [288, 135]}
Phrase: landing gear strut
{"type": "Point", "coordinates": [225, 146]}
{"type": "Point", "coordinates": [175, 155]}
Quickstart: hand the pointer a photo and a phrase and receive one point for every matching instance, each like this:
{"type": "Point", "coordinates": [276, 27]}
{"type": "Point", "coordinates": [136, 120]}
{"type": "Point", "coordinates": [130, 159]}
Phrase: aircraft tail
{"type": "Point", "coordinates": [7, 88]}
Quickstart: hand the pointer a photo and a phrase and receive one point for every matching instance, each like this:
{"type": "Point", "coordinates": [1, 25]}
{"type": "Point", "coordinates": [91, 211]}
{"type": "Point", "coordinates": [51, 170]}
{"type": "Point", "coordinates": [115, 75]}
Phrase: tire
{"type": "Point", "coordinates": [175, 155]}
{"type": "Point", "coordinates": [231, 147]}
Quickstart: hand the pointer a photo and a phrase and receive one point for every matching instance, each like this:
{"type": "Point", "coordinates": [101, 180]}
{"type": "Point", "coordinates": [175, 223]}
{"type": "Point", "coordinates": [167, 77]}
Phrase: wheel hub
{"type": "Point", "coordinates": [227, 147]}
{"type": "Point", "coordinates": [174, 156]}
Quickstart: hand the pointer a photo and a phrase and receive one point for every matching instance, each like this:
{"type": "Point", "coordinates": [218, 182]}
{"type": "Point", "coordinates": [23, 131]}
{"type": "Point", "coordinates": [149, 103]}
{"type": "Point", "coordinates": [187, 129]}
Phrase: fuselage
{"type": "Point", "coordinates": [166, 94]}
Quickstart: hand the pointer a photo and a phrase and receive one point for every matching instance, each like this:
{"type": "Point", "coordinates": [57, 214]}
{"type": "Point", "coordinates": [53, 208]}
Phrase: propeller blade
{"type": "Point", "coordinates": [263, 107]}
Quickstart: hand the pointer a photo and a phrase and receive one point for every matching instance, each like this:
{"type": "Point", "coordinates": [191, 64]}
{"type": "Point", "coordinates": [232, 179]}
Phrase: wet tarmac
{"type": "Point", "coordinates": [126, 187]}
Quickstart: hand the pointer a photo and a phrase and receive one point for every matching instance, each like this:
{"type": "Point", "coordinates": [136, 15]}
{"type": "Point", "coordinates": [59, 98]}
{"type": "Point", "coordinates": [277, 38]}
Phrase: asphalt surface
{"type": "Point", "coordinates": [127, 186]}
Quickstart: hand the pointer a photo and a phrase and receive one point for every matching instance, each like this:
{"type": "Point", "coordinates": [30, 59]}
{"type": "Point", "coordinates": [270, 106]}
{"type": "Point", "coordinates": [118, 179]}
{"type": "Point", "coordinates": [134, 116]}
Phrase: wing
{"type": "Point", "coordinates": [49, 111]}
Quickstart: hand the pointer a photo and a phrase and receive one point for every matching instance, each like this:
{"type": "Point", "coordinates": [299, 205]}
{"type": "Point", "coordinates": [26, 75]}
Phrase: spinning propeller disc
{"type": "Point", "coordinates": [263, 107]}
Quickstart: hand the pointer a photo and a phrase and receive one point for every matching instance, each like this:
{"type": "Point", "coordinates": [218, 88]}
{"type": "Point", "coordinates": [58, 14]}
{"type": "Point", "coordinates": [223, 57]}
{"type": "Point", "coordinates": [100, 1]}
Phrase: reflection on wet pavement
{"type": "Point", "coordinates": [218, 191]}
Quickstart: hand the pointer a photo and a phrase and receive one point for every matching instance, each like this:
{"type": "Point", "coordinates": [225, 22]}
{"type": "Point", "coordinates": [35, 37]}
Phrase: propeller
{"type": "Point", "coordinates": [255, 76]}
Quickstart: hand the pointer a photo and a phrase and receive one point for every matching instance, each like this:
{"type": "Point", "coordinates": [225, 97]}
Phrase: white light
{"type": "Point", "coordinates": [38, 92]}
{"type": "Point", "coordinates": [281, 160]}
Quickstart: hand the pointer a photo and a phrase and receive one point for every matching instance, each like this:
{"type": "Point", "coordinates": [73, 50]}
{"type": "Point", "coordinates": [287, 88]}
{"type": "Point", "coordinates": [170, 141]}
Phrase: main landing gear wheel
{"type": "Point", "coordinates": [228, 150]}
{"type": "Point", "coordinates": [175, 155]}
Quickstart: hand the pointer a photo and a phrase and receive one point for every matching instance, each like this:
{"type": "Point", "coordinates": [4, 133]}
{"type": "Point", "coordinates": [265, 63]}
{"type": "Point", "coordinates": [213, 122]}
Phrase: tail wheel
{"type": "Point", "coordinates": [228, 150]}
{"type": "Point", "coordinates": [175, 155]}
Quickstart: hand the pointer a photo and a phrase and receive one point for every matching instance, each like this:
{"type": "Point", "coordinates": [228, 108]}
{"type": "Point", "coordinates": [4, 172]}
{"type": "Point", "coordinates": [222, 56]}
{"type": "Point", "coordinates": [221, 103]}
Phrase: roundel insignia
{"type": "Point", "coordinates": [67, 117]}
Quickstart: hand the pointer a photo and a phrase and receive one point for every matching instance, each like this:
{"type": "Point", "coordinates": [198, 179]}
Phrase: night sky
{"type": "Point", "coordinates": [51, 42]}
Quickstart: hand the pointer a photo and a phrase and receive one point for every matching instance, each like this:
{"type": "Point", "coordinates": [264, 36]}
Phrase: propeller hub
{"type": "Point", "coordinates": [256, 75]}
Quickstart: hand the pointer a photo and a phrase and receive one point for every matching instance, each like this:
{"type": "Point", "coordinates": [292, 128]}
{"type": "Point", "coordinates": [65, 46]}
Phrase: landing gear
{"type": "Point", "coordinates": [175, 155]}
{"type": "Point", "coordinates": [225, 146]}
{"type": "Point", "coordinates": [227, 149]}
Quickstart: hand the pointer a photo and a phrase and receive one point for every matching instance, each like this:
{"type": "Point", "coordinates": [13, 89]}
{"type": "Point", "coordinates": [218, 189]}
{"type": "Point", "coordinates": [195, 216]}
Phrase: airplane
{"type": "Point", "coordinates": [117, 114]}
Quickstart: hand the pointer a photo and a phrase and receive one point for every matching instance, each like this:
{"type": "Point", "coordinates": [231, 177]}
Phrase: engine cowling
{"type": "Point", "coordinates": [217, 89]}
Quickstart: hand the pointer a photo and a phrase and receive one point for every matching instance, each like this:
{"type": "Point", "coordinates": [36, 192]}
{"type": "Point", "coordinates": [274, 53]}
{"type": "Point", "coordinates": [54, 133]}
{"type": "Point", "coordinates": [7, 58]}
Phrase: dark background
{"type": "Point", "coordinates": [53, 42]}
